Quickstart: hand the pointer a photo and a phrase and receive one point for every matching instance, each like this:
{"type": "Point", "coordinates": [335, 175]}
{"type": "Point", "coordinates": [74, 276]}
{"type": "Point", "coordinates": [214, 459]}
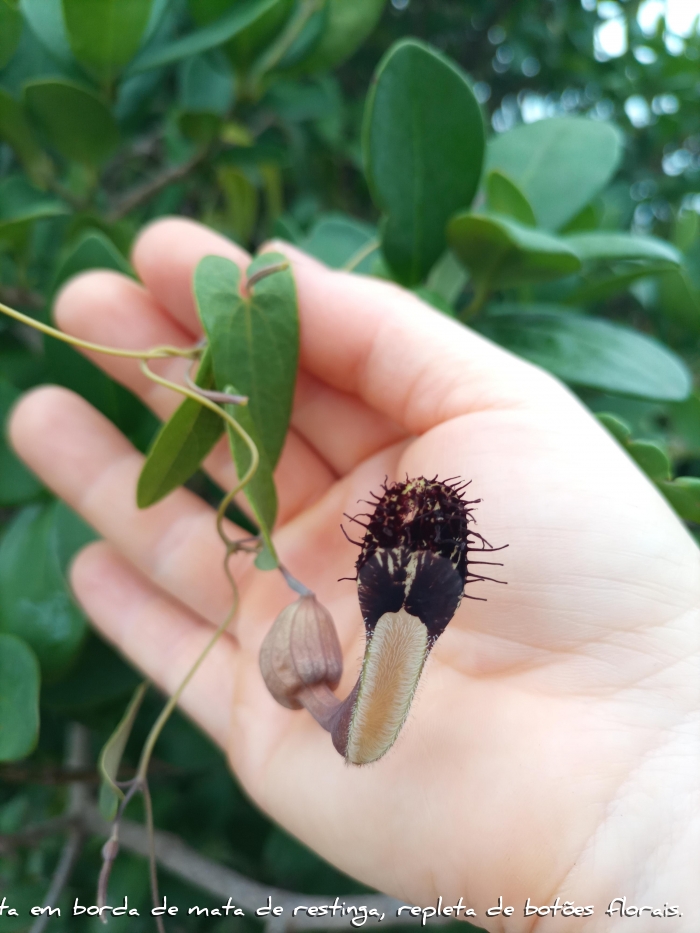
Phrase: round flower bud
{"type": "Point", "coordinates": [301, 650]}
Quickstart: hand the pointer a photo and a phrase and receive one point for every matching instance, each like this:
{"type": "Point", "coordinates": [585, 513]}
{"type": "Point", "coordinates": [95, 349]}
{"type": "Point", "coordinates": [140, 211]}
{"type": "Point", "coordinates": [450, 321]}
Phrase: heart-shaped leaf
{"type": "Point", "coordinates": [254, 342]}
{"type": "Point", "coordinates": [423, 146]}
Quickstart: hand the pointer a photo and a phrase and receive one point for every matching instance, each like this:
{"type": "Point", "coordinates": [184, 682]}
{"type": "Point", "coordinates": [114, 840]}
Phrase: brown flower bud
{"type": "Point", "coordinates": [301, 650]}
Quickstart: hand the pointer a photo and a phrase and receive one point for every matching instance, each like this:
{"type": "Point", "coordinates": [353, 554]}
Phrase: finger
{"type": "Point", "coordinates": [107, 308]}
{"type": "Point", "coordinates": [342, 429]}
{"type": "Point", "coordinates": [165, 256]}
{"type": "Point", "coordinates": [85, 460]}
{"type": "Point", "coordinates": [160, 636]}
{"type": "Point", "coordinates": [374, 340]}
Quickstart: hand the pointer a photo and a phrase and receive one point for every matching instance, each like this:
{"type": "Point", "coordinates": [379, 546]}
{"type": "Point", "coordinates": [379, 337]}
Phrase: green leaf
{"type": "Point", "coordinates": [241, 197]}
{"type": "Point", "coordinates": [338, 240]}
{"type": "Point", "coordinates": [603, 246]}
{"type": "Point", "coordinates": [597, 287]}
{"type": "Point", "coordinates": [591, 352]}
{"type": "Point", "coordinates": [45, 18]}
{"type": "Point", "coordinates": [242, 14]}
{"type": "Point", "coordinates": [17, 484]}
{"type": "Point", "coordinates": [679, 299]}
{"type": "Point", "coordinates": [181, 444]}
{"type": "Point", "coordinates": [347, 25]}
{"type": "Point", "coordinates": [19, 698]}
{"type": "Point", "coordinates": [503, 253]}
{"type": "Point", "coordinates": [619, 429]}
{"type": "Point", "coordinates": [447, 278]}
{"type": "Point", "coordinates": [254, 343]}
{"type": "Point", "coordinates": [15, 131]}
{"type": "Point", "coordinates": [92, 250]}
{"type": "Point", "coordinates": [559, 164]}
{"type": "Point", "coordinates": [35, 603]}
{"type": "Point", "coordinates": [684, 495]}
{"type": "Point", "coordinates": [423, 145]}
{"type": "Point", "coordinates": [112, 753]}
{"type": "Point", "coordinates": [651, 458]}
{"type": "Point", "coordinates": [21, 203]}
{"type": "Point", "coordinates": [10, 31]}
{"type": "Point", "coordinates": [74, 120]}
{"type": "Point", "coordinates": [205, 84]}
{"type": "Point", "coordinates": [106, 34]}
{"type": "Point", "coordinates": [504, 197]}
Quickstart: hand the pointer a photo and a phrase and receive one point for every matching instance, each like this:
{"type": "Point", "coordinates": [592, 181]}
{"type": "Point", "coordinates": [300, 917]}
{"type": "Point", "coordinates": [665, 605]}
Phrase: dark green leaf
{"type": "Point", "coordinates": [10, 31]}
{"type": "Point", "coordinates": [181, 444]}
{"type": "Point", "coordinates": [504, 197]}
{"type": "Point", "coordinates": [233, 22]}
{"type": "Point", "coordinates": [338, 240]}
{"type": "Point", "coordinates": [559, 164]}
{"type": "Point", "coordinates": [502, 253]}
{"type": "Point", "coordinates": [684, 495]}
{"type": "Point", "coordinates": [75, 120]}
{"type": "Point", "coordinates": [35, 603]}
{"type": "Point", "coordinates": [651, 458]}
{"type": "Point", "coordinates": [679, 298]}
{"type": "Point", "coordinates": [20, 204]}
{"type": "Point", "coordinates": [93, 250]}
{"type": "Point", "coordinates": [619, 429]}
{"type": "Point", "coordinates": [590, 352]}
{"type": "Point", "coordinates": [423, 144]}
{"type": "Point", "coordinates": [254, 343]}
{"type": "Point", "coordinates": [347, 25]}
{"type": "Point", "coordinates": [604, 246]}
{"type": "Point", "coordinates": [17, 484]}
{"type": "Point", "coordinates": [598, 287]}
{"type": "Point", "coordinates": [19, 698]}
{"type": "Point", "coordinates": [15, 131]}
{"type": "Point", "coordinates": [106, 34]}
{"type": "Point", "coordinates": [112, 753]}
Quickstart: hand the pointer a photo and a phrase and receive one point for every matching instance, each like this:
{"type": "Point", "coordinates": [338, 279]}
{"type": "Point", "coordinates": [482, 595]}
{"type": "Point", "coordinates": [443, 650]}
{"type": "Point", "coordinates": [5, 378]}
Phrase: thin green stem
{"type": "Point", "coordinates": [155, 732]}
{"type": "Point", "coordinates": [153, 354]}
{"type": "Point", "coordinates": [152, 866]}
{"type": "Point", "coordinates": [362, 253]}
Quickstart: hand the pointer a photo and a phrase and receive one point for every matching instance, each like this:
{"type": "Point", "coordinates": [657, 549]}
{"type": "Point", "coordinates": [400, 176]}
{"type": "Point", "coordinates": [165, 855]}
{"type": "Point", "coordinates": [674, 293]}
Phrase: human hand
{"type": "Point", "coordinates": [553, 747]}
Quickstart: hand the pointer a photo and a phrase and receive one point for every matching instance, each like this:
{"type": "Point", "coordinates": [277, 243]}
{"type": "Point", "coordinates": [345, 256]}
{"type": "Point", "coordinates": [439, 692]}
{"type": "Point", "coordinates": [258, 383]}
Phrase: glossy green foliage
{"type": "Point", "coordinates": [15, 130]}
{"type": "Point", "coordinates": [106, 34]}
{"type": "Point", "coordinates": [254, 341]}
{"type": "Point", "coordinates": [243, 14]}
{"type": "Point", "coordinates": [74, 120]}
{"type": "Point", "coordinates": [502, 252]}
{"type": "Point", "coordinates": [19, 698]}
{"type": "Point", "coordinates": [504, 197]}
{"type": "Point", "coordinates": [10, 30]}
{"type": "Point", "coordinates": [20, 205]}
{"type": "Point", "coordinates": [423, 144]}
{"type": "Point", "coordinates": [606, 246]}
{"type": "Point", "coordinates": [112, 754]}
{"type": "Point", "coordinates": [17, 484]}
{"type": "Point", "coordinates": [35, 602]}
{"type": "Point", "coordinates": [181, 444]}
{"type": "Point", "coordinates": [558, 164]}
{"type": "Point", "coordinates": [347, 24]}
{"type": "Point", "coordinates": [340, 241]}
{"type": "Point", "coordinates": [586, 351]}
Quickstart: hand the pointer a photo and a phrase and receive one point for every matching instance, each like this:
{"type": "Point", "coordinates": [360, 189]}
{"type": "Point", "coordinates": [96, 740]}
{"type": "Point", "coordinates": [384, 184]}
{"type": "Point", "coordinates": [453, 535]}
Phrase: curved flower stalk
{"type": "Point", "coordinates": [411, 572]}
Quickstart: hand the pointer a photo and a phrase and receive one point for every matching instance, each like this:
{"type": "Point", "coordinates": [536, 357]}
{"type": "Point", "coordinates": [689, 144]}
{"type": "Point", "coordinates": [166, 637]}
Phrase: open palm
{"type": "Point", "coordinates": [553, 745]}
